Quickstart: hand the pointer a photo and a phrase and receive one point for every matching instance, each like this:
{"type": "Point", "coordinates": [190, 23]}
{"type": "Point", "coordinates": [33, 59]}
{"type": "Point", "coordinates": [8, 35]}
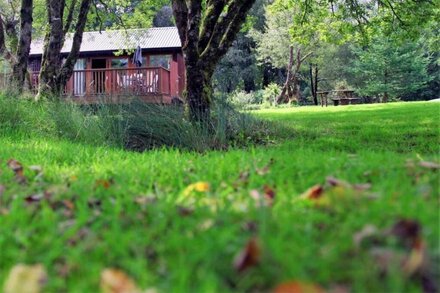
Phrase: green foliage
{"type": "Point", "coordinates": [244, 100]}
{"type": "Point", "coordinates": [125, 14]}
{"type": "Point", "coordinates": [238, 68]}
{"type": "Point", "coordinates": [389, 69]}
{"type": "Point", "coordinates": [271, 92]}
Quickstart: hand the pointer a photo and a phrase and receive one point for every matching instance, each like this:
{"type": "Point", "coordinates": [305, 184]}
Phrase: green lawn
{"type": "Point", "coordinates": [104, 207]}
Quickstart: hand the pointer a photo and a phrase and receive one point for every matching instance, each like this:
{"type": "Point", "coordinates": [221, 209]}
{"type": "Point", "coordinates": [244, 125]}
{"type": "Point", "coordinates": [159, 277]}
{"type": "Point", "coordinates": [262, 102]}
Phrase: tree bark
{"type": "Point", "coordinates": [206, 32]}
{"type": "Point", "coordinates": [314, 82]}
{"type": "Point", "coordinates": [20, 68]}
{"type": "Point", "coordinates": [3, 49]}
{"type": "Point", "coordinates": [284, 96]}
{"type": "Point", "coordinates": [291, 88]}
{"type": "Point", "coordinates": [67, 69]}
{"type": "Point", "coordinates": [51, 62]}
{"type": "Point", "coordinates": [54, 75]}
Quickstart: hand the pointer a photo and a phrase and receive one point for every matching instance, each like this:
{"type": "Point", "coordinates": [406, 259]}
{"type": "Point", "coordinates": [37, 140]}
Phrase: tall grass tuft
{"type": "Point", "coordinates": [136, 125]}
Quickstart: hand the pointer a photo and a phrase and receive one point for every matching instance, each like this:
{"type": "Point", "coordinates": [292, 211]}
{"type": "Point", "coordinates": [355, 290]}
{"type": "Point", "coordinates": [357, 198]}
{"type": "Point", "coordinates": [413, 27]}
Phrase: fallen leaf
{"type": "Point", "coordinates": [265, 199]}
{"type": "Point", "coordinates": [269, 192]}
{"type": "Point", "coordinates": [429, 165]}
{"type": "Point", "coordinates": [406, 230]}
{"type": "Point", "coordinates": [249, 256]}
{"type": "Point", "coordinates": [104, 183]}
{"type": "Point", "coordinates": [17, 168]}
{"type": "Point", "coordinates": [33, 198]}
{"type": "Point", "coordinates": [198, 186]}
{"type": "Point", "coordinates": [185, 211]}
{"type": "Point", "coordinates": [69, 204]}
{"type": "Point", "coordinates": [416, 259]}
{"type": "Point", "coordinates": [298, 287]}
{"type": "Point", "coordinates": [313, 192]}
{"type": "Point", "coordinates": [116, 281]}
{"type": "Point", "coordinates": [25, 279]}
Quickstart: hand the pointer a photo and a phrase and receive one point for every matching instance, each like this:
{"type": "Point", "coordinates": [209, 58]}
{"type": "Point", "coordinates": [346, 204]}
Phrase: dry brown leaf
{"type": "Point", "coordinates": [104, 183]}
{"type": "Point", "coordinates": [116, 281]}
{"type": "Point", "coordinates": [265, 199]}
{"type": "Point", "coordinates": [33, 198]}
{"type": "Point", "coordinates": [25, 279]}
{"type": "Point", "coordinates": [406, 230]}
{"type": "Point", "coordinates": [17, 168]}
{"type": "Point", "coordinates": [298, 287]}
{"type": "Point", "coordinates": [249, 256]}
{"type": "Point", "coordinates": [269, 192]}
{"type": "Point", "coordinates": [313, 192]}
{"type": "Point", "coordinates": [416, 259]}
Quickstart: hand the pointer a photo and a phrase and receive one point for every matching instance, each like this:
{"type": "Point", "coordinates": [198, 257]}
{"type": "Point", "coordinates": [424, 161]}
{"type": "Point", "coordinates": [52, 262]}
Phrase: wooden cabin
{"type": "Point", "coordinates": [106, 68]}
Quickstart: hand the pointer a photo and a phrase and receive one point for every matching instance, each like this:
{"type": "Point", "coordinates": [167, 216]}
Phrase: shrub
{"type": "Point", "coordinates": [244, 100]}
{"type": "Point", "coordinates": [271, 92]}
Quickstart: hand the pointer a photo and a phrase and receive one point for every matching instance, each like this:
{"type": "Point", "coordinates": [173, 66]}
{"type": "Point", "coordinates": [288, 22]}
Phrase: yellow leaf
{"type": "Point", "coordinates": [25, 279]}
{"type": "Point", "coordinates": [116, 281]}
{"type": "Point", "coordinates": [198, 186]}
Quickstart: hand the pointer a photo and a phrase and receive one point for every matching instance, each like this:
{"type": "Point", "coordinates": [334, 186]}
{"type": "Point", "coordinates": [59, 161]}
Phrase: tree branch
{"type": "Point", "coordinates": [69, 19]}
{"type": "Point", "coordinates": [214, 8]}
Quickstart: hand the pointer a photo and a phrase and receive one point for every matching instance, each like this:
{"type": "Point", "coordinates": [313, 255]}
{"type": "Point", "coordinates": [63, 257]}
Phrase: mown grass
{"type": "Point", "coordinates": [138, 223]}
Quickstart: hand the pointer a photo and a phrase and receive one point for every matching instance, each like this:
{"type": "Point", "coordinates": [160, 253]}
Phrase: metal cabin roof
{"type": "Point", "coordinates": [153, 38]}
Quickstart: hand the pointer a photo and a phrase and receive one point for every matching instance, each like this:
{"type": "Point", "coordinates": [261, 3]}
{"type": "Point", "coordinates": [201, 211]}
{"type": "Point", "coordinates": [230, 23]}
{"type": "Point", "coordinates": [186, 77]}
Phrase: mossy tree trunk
{"type": "Point", "coordinates": [20, 68]}
{"type": "Point", "coordinates": [55, 74]}
{"type": "Point", "coordinates": [206, 31]}
{"type": "Point", "coordinates": [19, 43]}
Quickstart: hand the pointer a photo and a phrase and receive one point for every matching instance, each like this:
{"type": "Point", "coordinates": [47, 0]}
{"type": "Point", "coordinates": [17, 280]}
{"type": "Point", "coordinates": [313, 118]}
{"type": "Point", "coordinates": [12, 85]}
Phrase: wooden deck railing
{"type": "Point", "coordinates": [143, 81]}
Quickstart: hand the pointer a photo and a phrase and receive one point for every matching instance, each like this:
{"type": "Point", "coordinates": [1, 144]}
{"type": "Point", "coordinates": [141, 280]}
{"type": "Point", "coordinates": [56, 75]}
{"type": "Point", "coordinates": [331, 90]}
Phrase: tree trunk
{"type": "Point", "coordinates": [54, 40]}
{"type": "Point", "coordinates": [198, 95]}
{"type": "Point", "coordinates": [283, 96]}
{"type": "Point", "coordinates": [67, 69]}
{"type": "Point", "coordinates": [291, 89]}
{"type": "Point", "coordinates": [206, 31]}
{"type": "Point", "coordinates": [20, 68]}
{"type": "Point", "coordinates": [3, 49]}
{"type": "Point", "coordinates": [314, 82]}
{"type": "Point", "coordinates": [54, 75]}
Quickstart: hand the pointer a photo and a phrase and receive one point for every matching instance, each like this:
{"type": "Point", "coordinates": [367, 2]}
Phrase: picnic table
{"type": "Point", "coordinates": [343, 97]}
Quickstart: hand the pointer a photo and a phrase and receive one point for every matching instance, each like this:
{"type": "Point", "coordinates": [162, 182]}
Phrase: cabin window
{"type": "Point", "coordinates": [160, 61]}
{"type": "Point", "coordinates": [79, 78]}
{"type": "Point", "coordinates": [120, 63]}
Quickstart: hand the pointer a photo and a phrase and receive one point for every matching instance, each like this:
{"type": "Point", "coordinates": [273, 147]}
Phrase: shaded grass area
{"type": "Point", "coordinates": [142, 222]}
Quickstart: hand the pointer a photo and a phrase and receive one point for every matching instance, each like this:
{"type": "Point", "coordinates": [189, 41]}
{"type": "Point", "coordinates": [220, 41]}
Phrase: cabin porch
{"type": "Point", "coordinates": [149, 84]}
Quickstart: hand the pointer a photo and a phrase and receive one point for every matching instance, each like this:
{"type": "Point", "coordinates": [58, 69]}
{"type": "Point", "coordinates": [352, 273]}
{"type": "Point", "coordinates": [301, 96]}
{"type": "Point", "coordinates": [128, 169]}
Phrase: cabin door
{"type": "Point", "coordinates": [79, 78]}
{"type": "Point", "coordinates": [98, 76]}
